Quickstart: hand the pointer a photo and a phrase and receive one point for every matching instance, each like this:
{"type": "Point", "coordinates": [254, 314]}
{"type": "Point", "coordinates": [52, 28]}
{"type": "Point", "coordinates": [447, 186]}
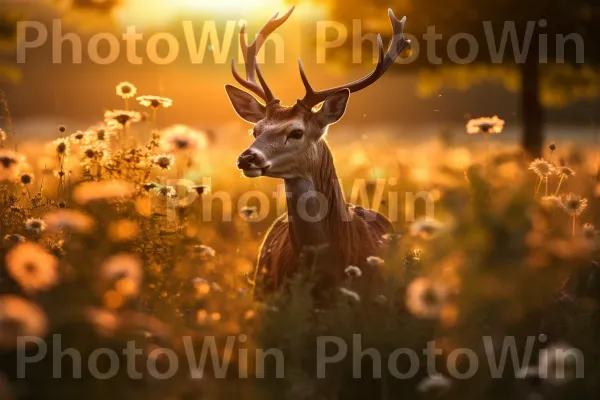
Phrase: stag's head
{"type": "Point", "coordinates": [288, 139]}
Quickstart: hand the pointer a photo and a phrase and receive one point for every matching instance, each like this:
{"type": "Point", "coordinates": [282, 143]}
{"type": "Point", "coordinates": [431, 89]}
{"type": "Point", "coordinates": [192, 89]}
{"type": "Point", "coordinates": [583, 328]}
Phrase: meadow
{"type": "Point", "coordinates": [133, 231]}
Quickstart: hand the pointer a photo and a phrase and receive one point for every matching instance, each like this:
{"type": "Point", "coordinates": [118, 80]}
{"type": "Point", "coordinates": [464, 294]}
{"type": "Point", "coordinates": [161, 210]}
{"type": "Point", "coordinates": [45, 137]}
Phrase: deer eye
{"type": "Point", "coordinates": [295, 134]}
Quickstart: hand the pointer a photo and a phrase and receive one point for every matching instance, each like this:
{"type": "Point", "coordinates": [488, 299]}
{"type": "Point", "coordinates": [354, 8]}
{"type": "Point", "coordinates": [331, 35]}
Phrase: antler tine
{"type": "Point", "coordinates": [249, 53]}
{"type": "Point", "coordinates": [397, 45]}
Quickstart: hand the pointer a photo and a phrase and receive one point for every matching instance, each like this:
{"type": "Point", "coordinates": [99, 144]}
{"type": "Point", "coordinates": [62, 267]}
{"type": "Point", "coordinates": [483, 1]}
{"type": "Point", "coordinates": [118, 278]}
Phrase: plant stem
{"type": "Point", "coordinates": [559, 183]}
{"type": "Point", "coordinates": [546, 191]}
{"type": "Point", "coordinates": [573, 225]}
{"type": "Point", "coordinates": [537, 189]}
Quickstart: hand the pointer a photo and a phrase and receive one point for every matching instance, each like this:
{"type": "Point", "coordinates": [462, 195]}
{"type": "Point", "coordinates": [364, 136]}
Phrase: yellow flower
{"type": "Point", "coordinates": [426, 228]}
{"type": "Point", "coordinates": [26, 178]}
{"type": "Point", "coordinates": [163, 161]}
{"type": "Point", "coordinates": [182, 138]}
{"type": "Point", "coordinates": [573, 204]}
{"type": "Point", "coordinates": [77, 137]}
{"type": "Point", "coordinates": [35, 225]}
{"type": "Point", "coordinates": [60, 147]}
{"type": "Point", "coordinates": [10, 165]}
{"type": "Point", "coordinates": [155, 101]}
{"type": "Point", "coordinates": [121, 118]}
{"type": "Point", "coordinates": [32, 267]}
{"type": "Point", "coordinates": [125, 270]}
{"type": "Point", "coordinates": [123, 230]}
{"type": "Point", "coordinates": [109, 190]}
{"type": "Point", "coordinates": [542, 168]}
{"type": "Point", "coordinates": [565, 172]}
{"type": "Point", "coordinates": [68, 219]}
{"type": "Point", "coordinates": [485, 125]}
{"type": "Point", "coordinates": [126, 90]}
{"type": "Point", "coordinates": [20, 317]}
{"type": "Point", "coordinates": [425, 298]}
{"type": "Point", "coordinates": [105, 321]}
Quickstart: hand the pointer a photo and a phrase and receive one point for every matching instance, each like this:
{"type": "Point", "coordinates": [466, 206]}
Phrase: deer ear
{"type": "Point", "coordinates": [333, 107]}
{"type": "Point", "coordinates": [245, 105]}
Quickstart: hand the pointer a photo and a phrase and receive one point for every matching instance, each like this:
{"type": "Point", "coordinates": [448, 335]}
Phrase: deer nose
{"type": "Point", "coordinates": [246, 160]}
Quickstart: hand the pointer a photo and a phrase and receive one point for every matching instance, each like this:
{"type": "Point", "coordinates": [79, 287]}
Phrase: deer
{"type": "Point", "coordinates": [290, 144]}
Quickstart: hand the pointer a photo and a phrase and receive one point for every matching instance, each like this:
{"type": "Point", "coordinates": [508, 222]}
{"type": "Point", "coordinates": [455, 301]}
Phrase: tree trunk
{"type": "Point", "coordinates": [532, 112]}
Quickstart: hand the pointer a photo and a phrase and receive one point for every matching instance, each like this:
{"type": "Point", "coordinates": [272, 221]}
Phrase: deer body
{"type": "Point", "coordinates": [290, 144]}
{"type": "Point", "coordinates": [343, 235]}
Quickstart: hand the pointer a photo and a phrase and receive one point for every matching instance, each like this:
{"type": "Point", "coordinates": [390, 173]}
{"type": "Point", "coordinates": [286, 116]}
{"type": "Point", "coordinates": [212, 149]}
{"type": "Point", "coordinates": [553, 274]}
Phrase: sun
{"type": "Point", "coordinates": [160, 12]}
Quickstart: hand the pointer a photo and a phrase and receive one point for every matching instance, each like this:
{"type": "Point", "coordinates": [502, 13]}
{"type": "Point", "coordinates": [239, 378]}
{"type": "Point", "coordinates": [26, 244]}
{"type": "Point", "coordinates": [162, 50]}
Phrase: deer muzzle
{"type": "Point", "coordinates": [252, 163]}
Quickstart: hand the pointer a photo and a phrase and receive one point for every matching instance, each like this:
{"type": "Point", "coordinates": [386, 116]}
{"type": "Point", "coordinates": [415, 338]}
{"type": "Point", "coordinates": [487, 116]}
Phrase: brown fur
{"type": "Point", "coordinates": [353, 233]}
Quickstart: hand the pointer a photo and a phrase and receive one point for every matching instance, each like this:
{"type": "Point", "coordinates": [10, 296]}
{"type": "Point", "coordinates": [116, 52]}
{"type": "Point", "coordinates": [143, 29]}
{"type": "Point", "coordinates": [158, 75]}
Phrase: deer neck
{"type": "Point", "coordinates": [317, 211]}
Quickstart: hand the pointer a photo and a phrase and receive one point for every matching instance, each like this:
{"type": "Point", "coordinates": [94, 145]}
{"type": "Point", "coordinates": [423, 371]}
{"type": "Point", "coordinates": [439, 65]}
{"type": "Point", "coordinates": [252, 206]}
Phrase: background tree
{"type": "Point", "coordinates": [533, 64]}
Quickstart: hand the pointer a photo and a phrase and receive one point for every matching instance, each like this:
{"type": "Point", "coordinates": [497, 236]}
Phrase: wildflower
{"type": "Point", "coordinates": [68, 219]}
{"type": "Point", "coordinates": [573, 204]}
{"type": "Point", "coordinates": [552, 146]}
{"type": "Point", "coordinates": [10, 163]}
{"type": "Point", "coordinates": [391, 237]}
{"type": "Point", "coordinates": [551, 201]}
{"type": "Point", "coordinates": [62, 128]}
{"type": "Point", "coordinates": [109, 190]}
{"type": "Point", "coordinates": [126, 90]}
{"type": "Point", "coordinates": [18, 318]}
{"type": "Point", "coordinates": [425, 298]}
{"type": "Point", "coordinates": [124, 269]}
{"type": "Point", "coordinates": [426, 228]}
{"type": "Point", "coordinates": [164, 161]}
{"type": "Point", "coordinates": [565, 172]}
{"type": "Point", "coordinates": [35, 225]}
{"type": "Point", "coordinates": [32, 267]}
{"type": "Point", "coordinates": [60, 147]}
{"type": "Point", "coordinates": [150, 185]}
{"type": "Point", "coordinates": [542, 168]}
{"type": "Point", "coordinates": [100, 133]}
{"type": "Point", "coordinates": [200, 189]}
{"type": "Point", "coordinates": [558, 364]}
{"type": "Point", "coordinates": [59, 173]}
{"type": "Point", "coordinates": [249, 212]}
{"type": "Point", "coordinates": [93, 152]}
{"type": "Point", "coordinates": [155, 101]}
{"type": "Point", "coordinates": [590, 234]}
{"type": "Point", "coordinates": [12, 239]}
{"type": "Point", "coordinates": [485, 125]}
{"type": "Point", "coordinates": [121, 118]}
{"type": "Point", "coordinates": [123, 230]}
{"type": "Point", "coordinates": [205, 251]}
{"type": "Point", "coordinates": [104, 321]}
{"type": "Point", "coordinates": [26, 178]}
{"type": "Point", "coordinates": [349, 293]}
{"type": "Point", "coordinates": [437, 384]}
{"type": "Point", "coordinates": [182, 138]}
{"type": "Point", "coordinates": [374, 261]}
{"type": "Point", "coordinates": [77, 137]}
{"type": "Point", "coordinates": [165, 191]}
{"type": "Point", "coordinates": [353, 272]}
{"type": "Point", "coordinates": [202, 286]}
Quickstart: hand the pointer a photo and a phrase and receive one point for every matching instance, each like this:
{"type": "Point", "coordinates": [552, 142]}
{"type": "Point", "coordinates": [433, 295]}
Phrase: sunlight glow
{"type": "Point", "coordinates": [160, 12]}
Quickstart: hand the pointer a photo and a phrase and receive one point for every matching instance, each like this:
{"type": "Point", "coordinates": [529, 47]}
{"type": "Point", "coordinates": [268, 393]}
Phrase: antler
{"type": "Point", "coordinates": [250, 52]}
{"type": "Point", "coordinates": [397, 46]}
